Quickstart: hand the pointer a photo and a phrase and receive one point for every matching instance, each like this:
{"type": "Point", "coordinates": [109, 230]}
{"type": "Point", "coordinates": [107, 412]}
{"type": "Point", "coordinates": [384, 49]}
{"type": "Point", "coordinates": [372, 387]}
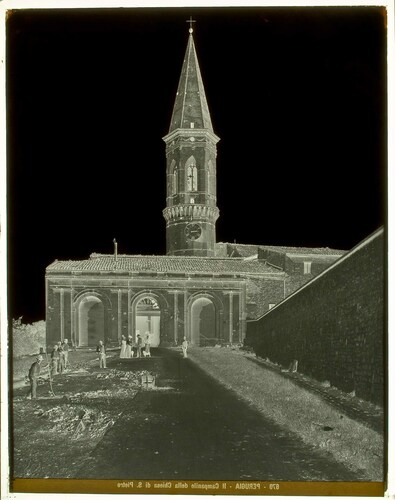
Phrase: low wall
{"type": "Point", "coordinates": [334, 326]}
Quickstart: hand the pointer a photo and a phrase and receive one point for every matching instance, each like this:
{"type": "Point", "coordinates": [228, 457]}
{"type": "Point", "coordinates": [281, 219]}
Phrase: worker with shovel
{"type": "Point", "coordinates": [34, 373]}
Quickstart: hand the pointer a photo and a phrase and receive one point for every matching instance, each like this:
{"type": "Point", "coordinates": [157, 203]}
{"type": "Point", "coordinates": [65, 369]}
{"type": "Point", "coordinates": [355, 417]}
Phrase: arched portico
{"type": "Point", "coordinates": [204, 312]}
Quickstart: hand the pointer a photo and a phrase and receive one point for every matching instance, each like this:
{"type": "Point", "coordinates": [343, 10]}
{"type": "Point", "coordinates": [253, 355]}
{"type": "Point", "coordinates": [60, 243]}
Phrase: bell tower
{"type": "Point", "coordinates": [191, 200]}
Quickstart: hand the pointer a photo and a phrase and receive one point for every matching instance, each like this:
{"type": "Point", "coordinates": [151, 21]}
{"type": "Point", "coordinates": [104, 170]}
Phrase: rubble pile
{"type": "Point", "coordinates": [78, 370]}
{"type": "Point", "coordinates": [81, 365]}
{"type": "Point", "coordinates": [133, 377]}
{"type": "Point", "coordinates": [78, 421]}
{"type": "Point", "coordinates": [117, 384]}
{"type": "Point", "coordinates": [113, 393]}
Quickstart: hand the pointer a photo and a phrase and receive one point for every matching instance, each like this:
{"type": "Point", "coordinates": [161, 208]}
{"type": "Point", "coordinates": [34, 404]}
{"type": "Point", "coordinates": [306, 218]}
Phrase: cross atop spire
{"type": "Point", "coordinates": [190, 21]}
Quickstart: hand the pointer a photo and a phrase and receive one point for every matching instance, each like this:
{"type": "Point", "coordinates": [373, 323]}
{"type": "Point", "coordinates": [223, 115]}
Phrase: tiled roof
{"type": "Point", "coordinates": [244, 250]}
{"type": "Point", "coordinates": [316, 257]}
{"type": "Point", "coordinates": [162, 264]}
{"type": "Point", "coordinates": [303, 250]}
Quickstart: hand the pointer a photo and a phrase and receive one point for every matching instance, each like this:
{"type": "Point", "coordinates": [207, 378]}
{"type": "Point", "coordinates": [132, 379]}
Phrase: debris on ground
{"type": "Point", "coordinates": [114, 393]}
{"type": "Point", "coordinates": [77, 370]}
{"type": "Point", "coordinates": [80, 422]}
{"type": "Point", "coordinates": [76, 366]}
{"type": "Point", "coordinates": [134, 377]}
{"type": "Point", "coordinates": [89, 401]}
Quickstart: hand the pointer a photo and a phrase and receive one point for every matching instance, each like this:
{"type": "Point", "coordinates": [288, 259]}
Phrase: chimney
{"type": "Point", "coordinates": [115, 249]}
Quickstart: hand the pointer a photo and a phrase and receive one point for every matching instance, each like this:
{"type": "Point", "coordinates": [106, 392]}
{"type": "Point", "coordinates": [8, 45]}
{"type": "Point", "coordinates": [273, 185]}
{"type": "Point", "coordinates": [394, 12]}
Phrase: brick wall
{"type": "Point", "coordinates": [334, 326]}
{"type": "Point", "coordinates": [261, 293]}
{"type": "Point", "coordinates": [294, 265]}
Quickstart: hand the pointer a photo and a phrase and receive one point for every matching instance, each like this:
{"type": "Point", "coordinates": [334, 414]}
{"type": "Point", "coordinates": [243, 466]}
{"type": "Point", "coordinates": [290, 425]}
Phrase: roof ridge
{"type": "Point", "coordinates": [197, 257]}
{"type": "Point", "coordinates": [164, 265]}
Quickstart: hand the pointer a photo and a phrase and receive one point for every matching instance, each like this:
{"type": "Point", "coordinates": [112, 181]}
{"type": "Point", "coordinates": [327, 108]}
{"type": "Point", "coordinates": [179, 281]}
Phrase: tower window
{"type": "Point", "coordinates": [209, 176]}
{"type": "Point", "coordinates": [192, 178]}
{"type": "Point", "coordinates": [307, 267]}
{"type": "Point", "coordinates": [173, 179]}
{"type": "Point", "coordinates": [191, 174]}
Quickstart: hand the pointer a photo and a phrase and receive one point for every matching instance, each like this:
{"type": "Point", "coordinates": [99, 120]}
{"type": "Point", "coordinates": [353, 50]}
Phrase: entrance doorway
{"type": "Point", "coordinates": [148, 319]}
{"type": "Point", "coordinates": [203, 331]}
{"type": "Point", "coordinates": [90, 321]}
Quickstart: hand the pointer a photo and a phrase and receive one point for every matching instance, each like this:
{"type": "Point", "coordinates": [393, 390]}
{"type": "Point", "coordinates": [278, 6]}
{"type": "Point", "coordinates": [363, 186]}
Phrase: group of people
{"type": "Point", "coordinates": [127, 346]}
{"type": "Point", "coordinates": [60, 357]}
{"type": "Point", "coordinates": [59, 362]}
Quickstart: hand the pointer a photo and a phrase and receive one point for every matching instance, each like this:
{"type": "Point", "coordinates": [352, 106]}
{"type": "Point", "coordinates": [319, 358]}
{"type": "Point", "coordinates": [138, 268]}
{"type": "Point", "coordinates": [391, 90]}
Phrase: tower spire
{"type": "Point", "coordinates": [190, 106]}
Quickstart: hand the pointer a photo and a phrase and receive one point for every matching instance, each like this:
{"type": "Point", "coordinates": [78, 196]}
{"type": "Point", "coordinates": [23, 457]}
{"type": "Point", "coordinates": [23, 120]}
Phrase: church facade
{"type": "Point", "coordinates": [202, 290]}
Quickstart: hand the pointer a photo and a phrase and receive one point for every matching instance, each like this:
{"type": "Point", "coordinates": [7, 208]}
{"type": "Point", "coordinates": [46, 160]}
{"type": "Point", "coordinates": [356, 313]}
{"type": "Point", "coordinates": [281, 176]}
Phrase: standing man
{"type": "Point", "coordinates": [148, 344]}
{"type": "Point", "coordinates": [184, 346]}
{"type": "Point", "coordinates": [102, 354]}
{"type": "Point", "coordinates": [34, 373]}
{"type": "Point", "coordinates": [55, 360]}
{"type": "Point", "coordinates": [61, 360]}
{"type": "Point", "coordinates": [66, 349]}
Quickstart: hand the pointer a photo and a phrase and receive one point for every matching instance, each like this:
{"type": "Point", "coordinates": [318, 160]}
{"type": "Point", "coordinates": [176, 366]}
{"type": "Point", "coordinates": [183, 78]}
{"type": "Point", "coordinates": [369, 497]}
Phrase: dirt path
{"type": "Point", "coordinates": [193, 428]}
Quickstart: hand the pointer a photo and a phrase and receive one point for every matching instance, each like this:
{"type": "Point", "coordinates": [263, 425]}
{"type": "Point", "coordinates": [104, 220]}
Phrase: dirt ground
{"type": "Point", "coordinates": [110, 424]}
{"type": "Point", "coordinates": [70, 416]}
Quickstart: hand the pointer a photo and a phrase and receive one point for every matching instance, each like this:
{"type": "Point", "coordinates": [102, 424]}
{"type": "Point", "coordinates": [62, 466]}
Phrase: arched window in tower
{"type": "Point", "coordinates": [209, 187]}
{"type": "Point", "coordinates": [175, 181]}
{"type": "Point", "coordinates": [173, 178]}
{"type": "Point", "coordinates": [191, 170]}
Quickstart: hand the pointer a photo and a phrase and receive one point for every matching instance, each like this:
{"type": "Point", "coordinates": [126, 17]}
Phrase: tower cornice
{"type": "Point", "coordinates": [190, 132]}
{"type": "Point", "coordinates": [191, 212]}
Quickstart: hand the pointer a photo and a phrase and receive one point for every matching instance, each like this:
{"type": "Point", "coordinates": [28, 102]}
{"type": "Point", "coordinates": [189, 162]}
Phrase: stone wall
{"type": "Point", "coordinates": [334, 325]}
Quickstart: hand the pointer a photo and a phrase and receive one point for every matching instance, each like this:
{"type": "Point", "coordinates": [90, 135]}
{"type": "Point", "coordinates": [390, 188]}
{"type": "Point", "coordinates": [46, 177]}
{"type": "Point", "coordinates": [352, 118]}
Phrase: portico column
{"type": "Point", "coordinates": [230, 316]}
{"type": "Point", "coordinates": [119, 314]}
{"type": "Point", "coordinates": [72, 314]}
{"type": "Point", "coordinates": [129, 317]}
{"type": "Point", "coordinates": [176, 317]}
{"type": "Point", "coordinates": [186, 326]}
{"type": "Point", "coordinates": [62, 314]}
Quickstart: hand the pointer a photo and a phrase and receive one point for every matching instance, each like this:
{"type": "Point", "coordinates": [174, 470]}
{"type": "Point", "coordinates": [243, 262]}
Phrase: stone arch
{"type": "Point", "coordinates": [146, 312]}
{"type": "Point", "coordinates": [204, 312]}
{"type": "Point", "coordinates": [90, 319]}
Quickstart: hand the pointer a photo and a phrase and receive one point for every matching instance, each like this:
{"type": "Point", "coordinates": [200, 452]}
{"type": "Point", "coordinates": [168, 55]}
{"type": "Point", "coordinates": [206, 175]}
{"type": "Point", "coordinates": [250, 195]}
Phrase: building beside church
{"type": "Point", "coordinates": [334, 325]}
{"type": "Point", "coordinates": [200, 289]}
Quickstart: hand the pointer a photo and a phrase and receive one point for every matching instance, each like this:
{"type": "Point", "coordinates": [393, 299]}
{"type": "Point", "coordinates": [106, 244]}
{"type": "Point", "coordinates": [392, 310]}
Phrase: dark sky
{"type": "Point", "coordinates": [297, 96]}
